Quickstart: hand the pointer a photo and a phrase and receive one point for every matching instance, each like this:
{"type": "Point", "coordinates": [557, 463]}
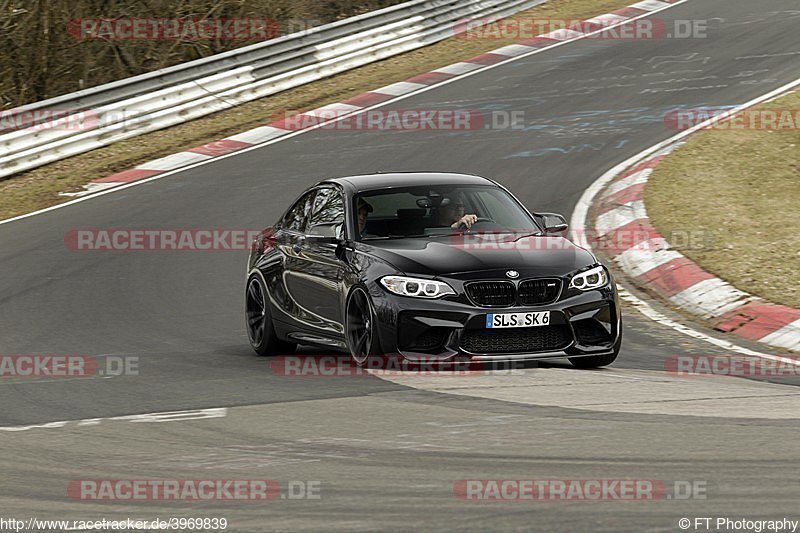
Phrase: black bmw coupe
{"type": "Point", "coordinates": [428, 267]}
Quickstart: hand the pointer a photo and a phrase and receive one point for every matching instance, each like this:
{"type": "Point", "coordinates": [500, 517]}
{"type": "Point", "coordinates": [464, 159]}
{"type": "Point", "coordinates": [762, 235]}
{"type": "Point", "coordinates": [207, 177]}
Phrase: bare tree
{"type": "Point", "coordinates": [44, 54]}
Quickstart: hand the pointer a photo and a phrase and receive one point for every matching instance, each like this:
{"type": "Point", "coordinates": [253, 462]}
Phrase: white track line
{"type": "Point", "coordinates": [339, 118]}
{"type": "Point", "coordinates": [581, 213]}
{"type": "Point", "coordinates": [165, 416]}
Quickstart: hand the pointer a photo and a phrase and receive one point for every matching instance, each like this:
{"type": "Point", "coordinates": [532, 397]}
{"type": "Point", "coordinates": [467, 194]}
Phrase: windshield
{"type": "Point", "coordinates": [431, 211]}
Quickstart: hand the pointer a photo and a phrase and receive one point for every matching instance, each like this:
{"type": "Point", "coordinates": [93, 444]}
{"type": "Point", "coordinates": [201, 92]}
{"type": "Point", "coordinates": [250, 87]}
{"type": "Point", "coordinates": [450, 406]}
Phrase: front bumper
{"type": "Point", "coordinates": [453, 330]}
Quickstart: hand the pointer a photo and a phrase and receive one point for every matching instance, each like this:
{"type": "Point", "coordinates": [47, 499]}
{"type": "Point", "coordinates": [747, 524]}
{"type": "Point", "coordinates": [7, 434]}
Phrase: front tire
{"type": "Point", "coordinates": [361, 327]}
{"type": "Point", "coordinates": [260, 329]}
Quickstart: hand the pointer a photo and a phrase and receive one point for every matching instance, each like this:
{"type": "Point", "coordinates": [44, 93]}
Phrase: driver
{"type": "Point", "coordinates": [452, 214]}
{"type": "Point", "coordinates": [364, 209]}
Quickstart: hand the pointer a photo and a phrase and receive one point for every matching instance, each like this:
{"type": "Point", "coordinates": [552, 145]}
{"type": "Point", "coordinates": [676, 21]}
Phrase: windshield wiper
{"type": "Point", "coordinates": [453, 234]}
{"type": "Point", "coordinates": [516, 235]}
{"type": "Point", "coordinates": [390, 237]}
{"type": "Point", "coordinates": [444, 234]}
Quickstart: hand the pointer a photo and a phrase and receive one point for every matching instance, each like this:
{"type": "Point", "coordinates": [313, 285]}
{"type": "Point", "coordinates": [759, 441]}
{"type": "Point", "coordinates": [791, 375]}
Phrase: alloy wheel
{"type": "Point", "coordinates": [256, 312]}
{"type": "Point", "coordinates": [359, 327]}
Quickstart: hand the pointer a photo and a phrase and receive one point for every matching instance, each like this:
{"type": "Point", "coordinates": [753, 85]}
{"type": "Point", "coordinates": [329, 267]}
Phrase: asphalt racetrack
{"type": "Point", "coordinates": [388, 453]}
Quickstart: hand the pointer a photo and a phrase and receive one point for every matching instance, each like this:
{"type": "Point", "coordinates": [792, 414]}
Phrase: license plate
{"type": "Point", "coordinates": [517, 320]}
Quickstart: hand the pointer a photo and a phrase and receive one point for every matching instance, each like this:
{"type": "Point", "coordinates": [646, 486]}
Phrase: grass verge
{"type": "Point", "coordinates": [742, 188]}
{"type": "Point", "coordinates": [39, 188]}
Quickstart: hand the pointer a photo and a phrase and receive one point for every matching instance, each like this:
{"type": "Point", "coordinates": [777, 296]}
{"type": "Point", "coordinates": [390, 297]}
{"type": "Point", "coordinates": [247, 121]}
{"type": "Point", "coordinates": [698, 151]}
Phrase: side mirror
{"type": "Point", "coordinates": [327, 233]}
{"type": "Point", "coordinates": [554, 223]}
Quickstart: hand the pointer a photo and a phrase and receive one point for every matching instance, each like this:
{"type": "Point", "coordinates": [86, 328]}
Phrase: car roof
{"type": "Point", "coordinates": [369, 182]}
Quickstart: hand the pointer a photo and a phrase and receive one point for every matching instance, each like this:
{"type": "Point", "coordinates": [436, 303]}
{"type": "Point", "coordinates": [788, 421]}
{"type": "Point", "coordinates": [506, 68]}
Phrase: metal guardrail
{"type": "Point", "coordinates": [166, 97]}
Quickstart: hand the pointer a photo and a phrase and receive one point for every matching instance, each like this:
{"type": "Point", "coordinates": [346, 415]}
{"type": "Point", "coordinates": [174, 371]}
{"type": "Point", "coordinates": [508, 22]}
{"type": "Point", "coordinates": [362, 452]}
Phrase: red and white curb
{"type": "Point", "coordinates": [376, 97]}
{"type": "Point", "coordinates": [646, 256]}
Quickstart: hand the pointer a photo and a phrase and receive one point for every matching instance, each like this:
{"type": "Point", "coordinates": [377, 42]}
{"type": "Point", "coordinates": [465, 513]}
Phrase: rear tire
{"type": "Point", "coordinates": [258, 321]}
{"type": "Point", "coordinates": [597, 361]}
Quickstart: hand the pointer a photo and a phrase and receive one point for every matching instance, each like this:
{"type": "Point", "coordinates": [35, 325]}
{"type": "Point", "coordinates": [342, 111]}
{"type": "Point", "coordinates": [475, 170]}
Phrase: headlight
{"type": "Point", "coordinates": [420, 288]}
{"type": "Point", "coordinates": [593, 278]}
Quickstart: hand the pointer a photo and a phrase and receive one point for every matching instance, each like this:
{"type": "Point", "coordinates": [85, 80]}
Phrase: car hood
{"type": "Point", "coordinates": [458, 256]}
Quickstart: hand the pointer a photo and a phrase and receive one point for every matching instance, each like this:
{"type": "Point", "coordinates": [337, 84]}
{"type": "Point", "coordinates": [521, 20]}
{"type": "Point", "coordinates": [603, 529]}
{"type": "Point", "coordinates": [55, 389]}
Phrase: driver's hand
{"type": "Point", "coordinates": [466, 220]}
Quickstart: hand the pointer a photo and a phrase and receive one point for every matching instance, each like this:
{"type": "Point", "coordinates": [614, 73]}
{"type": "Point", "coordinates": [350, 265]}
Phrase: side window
{"type": "Point", "coordinates": [328, 212]}
{"type": "Point", "coordinates": [297, 216]}
{"type": "Point", "coordinates": [328, 207]}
